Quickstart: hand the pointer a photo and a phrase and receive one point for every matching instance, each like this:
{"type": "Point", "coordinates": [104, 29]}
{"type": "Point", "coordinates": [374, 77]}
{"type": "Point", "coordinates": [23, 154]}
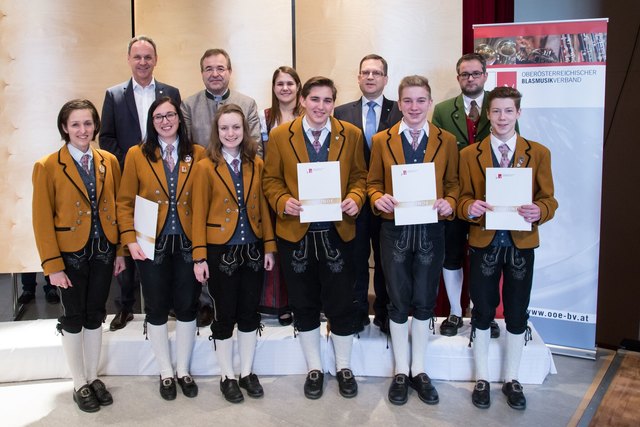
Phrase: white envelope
{"type": "Point", "coordinates": [414, 187]}
{"type": "Point", "coordinates": [145, 219]}
{"type": "Point", "coordinates": [507, 189]}
{"type": "Point", "coordinates": [319, 191]}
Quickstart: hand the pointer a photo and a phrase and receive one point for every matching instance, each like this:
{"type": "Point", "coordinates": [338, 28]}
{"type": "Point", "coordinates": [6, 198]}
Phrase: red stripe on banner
{"type": "Point", "coordinates": [539, 29]}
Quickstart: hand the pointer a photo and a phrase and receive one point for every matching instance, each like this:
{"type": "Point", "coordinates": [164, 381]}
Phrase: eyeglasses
{"type": "Point", "coordinates": [475, 75]}
{"type": "Point", "coordinates": [375, 73]}
{"type": "Point", "coordinates": [170, 116]}
{"type": "Point", "coordinates": [209, 70]}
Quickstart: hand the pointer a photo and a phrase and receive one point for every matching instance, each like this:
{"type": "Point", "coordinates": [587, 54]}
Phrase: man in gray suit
{"type": "Point", "coordinates": [124, 124]}
{"type": "Point", "coordinates": [372, 113]}
{"type": "Point", "coordinates": [198, 110]}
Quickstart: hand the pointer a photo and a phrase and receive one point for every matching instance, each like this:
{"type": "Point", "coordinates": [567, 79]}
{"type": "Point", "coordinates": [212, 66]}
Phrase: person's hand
{"type": "Point", "coordinates": [531, 213]}
{"type": "Point", "coordinates": [201, 270]}
{"type": "Point", "coordinates": [269, 261]}
{"type": "Point", "coordinates": [119, 265]}
{"type": "Point", "coordinates": [478, 208]}
{"type": "Point", "coordinates": [386, 203]}
{"type": "Point", "coordinates": [349, 206]}
{"type": "Point", "coordinates": [293, 207]}
{"type": "Point", "coordinates": [60, 279]}
{"type": "Point", "coordinates": [136, 251]}
{"type": "Point", "coordinates": [443, 207]}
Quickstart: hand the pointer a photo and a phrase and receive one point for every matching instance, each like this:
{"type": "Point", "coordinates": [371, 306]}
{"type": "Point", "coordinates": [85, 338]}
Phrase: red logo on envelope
{"type": "Point", "coordinates": [309, 170]}
{"type": "Point", "coordinates": [499, 176]}
{"type": "Point", "coordinates": [404, 172]}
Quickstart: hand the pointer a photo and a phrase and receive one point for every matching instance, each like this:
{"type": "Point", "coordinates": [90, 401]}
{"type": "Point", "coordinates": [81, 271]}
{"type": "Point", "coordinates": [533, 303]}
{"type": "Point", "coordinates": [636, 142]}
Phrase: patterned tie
{"type": "Point", "coordinates": [474, 112]}
{"type": "Point", "coordinates": [234, 164]}
{"type": "Point", "coordinates": [84, 162]}
{"type": "Point", "coordinates": [504, 150]}
{"type": "Point", "coordinates": [168, 158]}
{"type": "Point", "coordinates": [370, 126]}
{"type": "Point", "coordinates": [415, 138]}
{"type": "Point", "coordinates": [316, 140]}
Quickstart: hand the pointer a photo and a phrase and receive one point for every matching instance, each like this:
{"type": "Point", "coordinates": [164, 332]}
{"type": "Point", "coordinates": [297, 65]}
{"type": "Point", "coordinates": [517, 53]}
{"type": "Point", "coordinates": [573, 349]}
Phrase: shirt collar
{"type": "Point", "coordinates": [405, 127]}
{"type": "Point", "coordinates": [77, 154]}
{"type": "Point", "coordinates": [152, 84]}
{"type": "Point", "coordinates": [467, 101]}
{"type": "Point", "coordinates": [163, 145]}
{"type": "Point", "coordinates": [229, 158]}
{"type": "Point", "coordinates": [378, 101]}
{"type": "Point", "coordinates": [307, 127]}
{"type": "Point", "coordinates": [511, 143]}
{"type": "Point", "coordinates": [217, 98]}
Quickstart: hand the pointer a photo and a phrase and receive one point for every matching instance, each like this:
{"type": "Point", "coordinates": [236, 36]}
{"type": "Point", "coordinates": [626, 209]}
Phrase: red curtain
{"type": "Point", "coordinates": [483, 12]}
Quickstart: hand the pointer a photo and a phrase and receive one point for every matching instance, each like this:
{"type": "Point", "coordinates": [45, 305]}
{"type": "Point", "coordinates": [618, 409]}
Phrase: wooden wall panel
{"type": "Point", "coordinates": [50, 52]}
{"type": "Point", "coordinates": [256, 34]}
{"type": "Point", "coordinates": [414, 36]}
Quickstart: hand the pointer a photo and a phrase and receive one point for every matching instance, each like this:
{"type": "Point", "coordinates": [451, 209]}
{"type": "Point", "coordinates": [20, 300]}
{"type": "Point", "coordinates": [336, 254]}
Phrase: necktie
{"type": "Point", "coordinates": [370, 126]}
{"type": "Point", "coordinates": [415, 135]}
{"type": "Point", "coordinates": [504, 150]}
{"type": "Point", "coordinates": [234, 164]}
{"type": "Point", "coordinates": [316, 140]}
{"type": "Point", "coordinates": [84, 161]}
{"type": "Point", "coordinates": [168, 158]}
{"type": "Point", "coordinates": [474, 112]}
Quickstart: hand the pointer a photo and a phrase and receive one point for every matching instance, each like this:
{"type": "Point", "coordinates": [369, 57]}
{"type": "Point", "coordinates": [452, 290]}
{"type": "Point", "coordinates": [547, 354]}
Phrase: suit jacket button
{"type": "Point", "coordinates": [113, 223]}
{"type": "Point", "coordinates": [186, 193]}
{"type": "Point", "coordinates": [157, 191]}
{"type": "Point", "coordinates": [226, 220]}
{"type": "Point", "coordinates": [77, 203]}
{"type": "Point", "coordinates": [80, 213]}
{"type": "Point", "coordinates": [73, 229]}
{"type": "Point", "coordinates": [78, 222]}
{"type": "Point", "coordinates": [109, 217]}
{"type": "Point", "coordinates": [226, 200]}
{"type": "Point", "coordinates": [228, 210]}
{"type": "Point", "coordinates": [159, 202]}
{"type": "Point", "coordinates": [187, 213]}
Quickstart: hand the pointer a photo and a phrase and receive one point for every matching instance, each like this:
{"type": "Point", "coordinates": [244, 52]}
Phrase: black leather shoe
{"type": "Point", "coordinates": [495, 329]}
{"type": "Point", "coordinates": [313, 385]}
{"type": "Point", "coordinates": [347, 383]}
{"type": "Point", "coordinates": [382, 323]}
{"type": "Point", "coordinates": [205, 316]}
{"type": "Point", "coordinates": [515, 396]}
{"type": "Point", "coordinates": [231, 391]}
{"type": "Point", "coordinates": [120, 320]}
{"type": "Point", "coordinates": [399, 390]}
{"type": "Point", "coordinates": [449, 328]}
{"type": "Point", "coordinates": [168, 388]}
{"type": "Point", "coordinates": [481, 396]}
{"type": "Point", "coordinates": [426, 391]}
{"type": "Point", "coordinates": [101, 392]}
{"type": "Point", "coordinates": [86, 399]}
{"type": "Point", "coordinates": [286, 318]}
{"type": "Point", "coordinates": [252, 385]}
{"type": "Point", "coordinates": [188, 386]}
{"type": "Point", "coordinates": [26, 297]}
{"type": "Point", "coordinates": [51, 296]}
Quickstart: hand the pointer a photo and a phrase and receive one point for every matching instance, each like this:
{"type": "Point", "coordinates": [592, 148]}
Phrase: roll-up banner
{"type": "Point", "coordinates": [559, 67]}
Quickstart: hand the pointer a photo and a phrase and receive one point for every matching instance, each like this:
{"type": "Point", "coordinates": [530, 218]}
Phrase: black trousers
{"type": "Point", "coordinates": [128, 281]}
{"type": "Point", "coordinates": [169, 282]}
{"type": "Point", "coordinates": [320, 275]}
{"type": "Point", "coordinates": [368, 237]}
{"type": "Point", "coordinates": [455, 239]}
{"type": "Point", "coordinates": [486, 266]}
{"type": "Point", "coordinates": [236, 276]}
{"type": "Point", "coordinates": [89, 270]}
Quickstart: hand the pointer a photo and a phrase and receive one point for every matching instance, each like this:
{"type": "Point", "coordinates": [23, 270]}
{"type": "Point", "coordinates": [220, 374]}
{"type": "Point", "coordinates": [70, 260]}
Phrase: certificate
{"type": "Point", "coordinates": [507, 189]}
{"type": "Point", "coordinates": [319, 191]}
{"type": "Point", "coordinates": [145, 219]}
{"type": "Point", "coordinates": [414, 187]}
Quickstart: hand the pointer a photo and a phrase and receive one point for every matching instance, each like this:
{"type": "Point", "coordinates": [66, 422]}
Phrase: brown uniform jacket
{"type": "Point", "coordinates": [61, 206]}
{"type": "Point", "coordinates": [475, 158]}
{"type": "Point", "coordinates": [147, 179]}
{"type": "Point", "coordinates": [215, 205]}
{"type": "Point", "coordinates": [287, 148]}
{"type": "Point", "coordinates": [387, 150]}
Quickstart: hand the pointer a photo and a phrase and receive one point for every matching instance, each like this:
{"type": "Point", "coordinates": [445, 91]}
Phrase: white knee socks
{"type": "Point", "coordinates": [310, 343]}
{"type": "Point", "coordinates": [515, 344]}
{"type": "Point", "coordinates": [453, 285]}
{"type": "Point", "coordinates": [185, 339]}
{"type": "Point", "coordinates": [342, 348]}
{"type": "Point", "coordinates": [224, 354]}
{"type": "Point", "coordinates": [73, 352]}
{"type": "Point", "coordinates": [419, 338]}
{"type": "Point", "coordinates": [247, 349]}
{"type": "Point", "coordinates": [158, 335]}
{"type": "Point", "coordinates": [92, 344]}
{"type": "Point", "coordinates": [400, 345]}
{"type": "Point", "coordinates": [481, 353]}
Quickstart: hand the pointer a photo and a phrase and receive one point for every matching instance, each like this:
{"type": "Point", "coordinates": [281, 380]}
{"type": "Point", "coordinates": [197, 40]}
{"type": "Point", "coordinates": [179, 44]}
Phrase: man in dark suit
{"type": "Point", "coordinates": [466, 118]}
{"type": "Point", "coordinates": [372, 113]}
{"type": "Point", "coordinates": [124, 123]}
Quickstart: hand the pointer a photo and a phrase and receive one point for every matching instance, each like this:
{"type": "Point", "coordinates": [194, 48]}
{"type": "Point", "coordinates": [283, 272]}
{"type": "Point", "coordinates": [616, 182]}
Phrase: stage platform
{"type": "Point", "coordinates": [31, 350]}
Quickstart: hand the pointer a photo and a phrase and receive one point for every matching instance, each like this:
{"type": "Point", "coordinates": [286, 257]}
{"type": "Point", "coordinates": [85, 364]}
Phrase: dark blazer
{"type": "Point", "coordinates": [476, 158]}
{"type": "Point", "coordinates": [120, 129]}
{"type": "Point", "coordinates": [61, 205]}
{"type": "Point", "coordinates": [352, 113]}
{"type": "Point", "coordinates": [450, 116]}
{"type": "Point", "coordinates": [287, 148]}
